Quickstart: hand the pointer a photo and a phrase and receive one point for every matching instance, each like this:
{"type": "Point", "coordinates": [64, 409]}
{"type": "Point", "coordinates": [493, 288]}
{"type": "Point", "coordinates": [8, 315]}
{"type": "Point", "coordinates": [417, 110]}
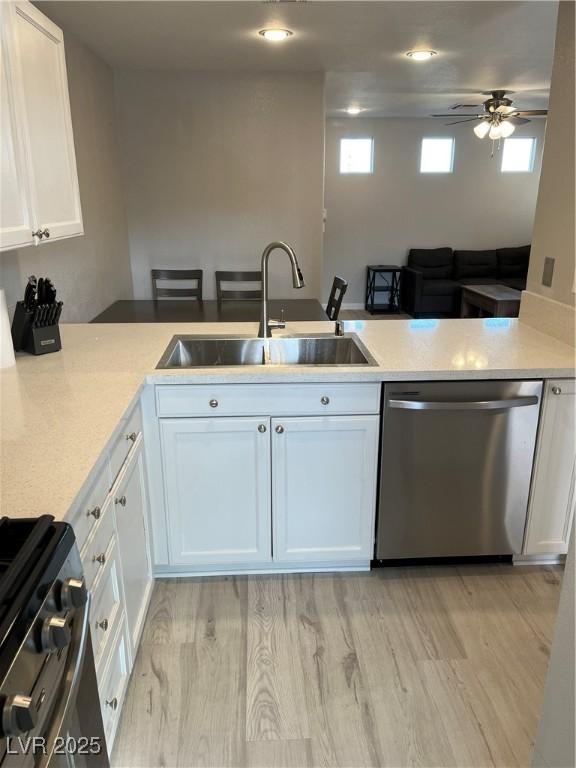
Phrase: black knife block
{"type": "Point", "coordinates": [36, 341]}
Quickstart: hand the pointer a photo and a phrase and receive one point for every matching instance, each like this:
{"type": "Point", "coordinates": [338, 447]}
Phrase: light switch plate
{"type": "Point", "coordinates": [548, 271]}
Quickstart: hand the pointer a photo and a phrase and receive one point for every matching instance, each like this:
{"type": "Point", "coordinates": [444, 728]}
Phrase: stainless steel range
{"type": "Point", "coordinates": [49, 707]}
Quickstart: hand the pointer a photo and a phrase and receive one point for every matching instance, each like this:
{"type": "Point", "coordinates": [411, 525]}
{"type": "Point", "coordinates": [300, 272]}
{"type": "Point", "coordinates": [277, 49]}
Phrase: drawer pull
{"type": "Point", "coordinates": [94, 512]}
{"type": "Point", "coordinates": [121, 501]}
{"type": "Point", "coordinates": [102, 625]}
{"type": "Point", "coordinates": [324, 400]}
{"type": "Point", "coordinates": [101, 558]}
{"type": "Point", "coordinates": [213, 403]}
{"type": "Point", "coordinates": [113, 703]}
{"type": "Point", "coordinates": [556, 390]}
{"type": "Point", "coordinates": [132, 436]}
{"type": "Point", "coordinates": [279, 429]}
{"type": "Point", "coordinates": [262, 428]}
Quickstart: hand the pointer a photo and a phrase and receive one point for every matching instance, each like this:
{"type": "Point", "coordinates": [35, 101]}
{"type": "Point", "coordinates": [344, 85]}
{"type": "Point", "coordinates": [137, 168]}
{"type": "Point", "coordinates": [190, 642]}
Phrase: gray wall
{"type": "Point", "coordinates": [216, 166]}
{"type": "Point", "coordinates": [376, 219]}
{"type": "Point", "coordinates": [554, 221]}
{"type": "Point", "coordinates": [92, 271]}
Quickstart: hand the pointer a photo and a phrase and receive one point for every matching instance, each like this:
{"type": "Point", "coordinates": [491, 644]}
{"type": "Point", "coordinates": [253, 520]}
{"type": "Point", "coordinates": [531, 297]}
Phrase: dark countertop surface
{"type": "Point", "coordinates": [210, 311]}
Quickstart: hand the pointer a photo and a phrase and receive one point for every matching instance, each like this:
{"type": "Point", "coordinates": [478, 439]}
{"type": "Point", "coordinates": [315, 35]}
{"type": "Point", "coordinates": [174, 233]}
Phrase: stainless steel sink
{"type": "Point", "coordinates": [320, 350]}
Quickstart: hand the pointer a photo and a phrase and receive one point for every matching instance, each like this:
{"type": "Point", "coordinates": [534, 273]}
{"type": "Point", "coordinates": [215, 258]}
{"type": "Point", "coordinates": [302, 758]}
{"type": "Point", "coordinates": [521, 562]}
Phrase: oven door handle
{"type": "Point", "coordinates": [464, 405]}
{"type": "Point", "coordinates": [73, 676]}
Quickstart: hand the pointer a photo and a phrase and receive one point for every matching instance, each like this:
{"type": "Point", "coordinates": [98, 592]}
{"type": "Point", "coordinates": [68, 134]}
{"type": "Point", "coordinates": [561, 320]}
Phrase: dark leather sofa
{"type": "Point", "coordinates": [431, 283]}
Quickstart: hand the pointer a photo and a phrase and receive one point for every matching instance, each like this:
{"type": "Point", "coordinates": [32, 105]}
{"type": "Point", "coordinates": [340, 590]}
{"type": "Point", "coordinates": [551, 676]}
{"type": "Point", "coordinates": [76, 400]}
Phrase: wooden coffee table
{"type": "Point", "coordinates": [490, 301]}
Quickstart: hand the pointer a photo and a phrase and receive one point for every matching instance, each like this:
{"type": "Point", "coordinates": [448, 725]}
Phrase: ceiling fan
{"type": "Point", "coordinates": [499, 119]}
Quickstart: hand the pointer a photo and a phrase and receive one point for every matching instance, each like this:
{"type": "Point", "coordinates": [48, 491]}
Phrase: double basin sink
{"type": "Point", "coordinates": [320, 350]}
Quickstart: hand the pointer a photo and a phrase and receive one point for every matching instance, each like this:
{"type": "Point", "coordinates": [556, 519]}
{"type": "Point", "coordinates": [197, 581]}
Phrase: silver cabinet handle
{"type": "Point", "coordinates": [113, 703]}
{"type": "Point", "coordinates": [101, 558]}
{"type": "Point", "coordinates": [556, 390]}
{"type": "Point", "coordinates": [40, 233]}
{"type": "Point", "coordinates": [279, 429]}
{"type": "Point", "coordinates": [121, 501]}
{"type": "Point", "coordinates": [132, 436]}
{"type": "Point", "coordinates": [46, 232]}
{"type": "Point", "coordinates": [102, 624]}
{"type": "Point", "coordinates": [94, 512]}
{"type": "Point", "coordinates": [262, 428]}
{"type": "Point", "coordinates": [324, 400]}
{"type": "Point", "coordinates": [213, 403]}
{"type": "Point", "coordinates": [465, 405]}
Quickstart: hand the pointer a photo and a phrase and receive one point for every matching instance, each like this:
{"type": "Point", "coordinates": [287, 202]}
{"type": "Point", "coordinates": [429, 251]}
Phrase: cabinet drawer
{"type": "Point", "coordinates": [89, 511]}
{"type": "Point", "coordinates": [97, 549]}
{"type": "Point", "coordinates": [269, 399]}
{"type": "Point", "coordinates": [131, 428]}
{"type": "Point", "coordinates": [107, 604]}
{"type": "Point", "coordinates": [112, 687]}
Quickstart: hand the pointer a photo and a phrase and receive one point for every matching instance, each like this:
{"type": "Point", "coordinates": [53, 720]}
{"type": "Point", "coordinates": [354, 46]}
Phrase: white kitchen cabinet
{"type": "Point", "coordinates": [42, 194]}
{"type": "Point", "coordinates": [217, 490]}
{"type": "Point", "coordinates": [15, 216]}
{"type": "Point", "coordinates": [131, 510]}
{"type": "Point", "coordinates": [324, 484]}
{"type": "Point", "coordinates": [551, 507]}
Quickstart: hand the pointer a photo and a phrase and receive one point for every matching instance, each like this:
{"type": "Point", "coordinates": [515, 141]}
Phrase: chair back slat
{"type": "Point", "coordinates": [238, 276]}
{"type": "Point", "coordinates": [176, 274]}
{"type": "Point", "coordinates": [339, 287]}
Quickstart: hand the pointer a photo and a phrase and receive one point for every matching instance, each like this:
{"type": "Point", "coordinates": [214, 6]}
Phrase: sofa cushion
{"type": "Point", "coordinates": [513, 262]}
{"type": "Point", "coordinates": [434, 263]}
{"type": "Point", "coordinates": [519, 283]}
{"type": "Point", "coordinates": [479, 281]}
{"type": "Point", "coordinates": [475, 264]}
{"type": "Point", "coordinates": [439, 287]}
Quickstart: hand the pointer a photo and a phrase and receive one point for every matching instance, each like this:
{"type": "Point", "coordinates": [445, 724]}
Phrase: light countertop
{"type": "Point", "coordinates": [59, 411]}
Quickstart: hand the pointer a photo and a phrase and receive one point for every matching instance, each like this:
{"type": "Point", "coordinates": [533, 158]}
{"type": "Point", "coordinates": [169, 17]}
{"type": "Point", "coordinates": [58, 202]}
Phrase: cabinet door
{"type": "Point", "coordinates": [15, 218]}
{"type": "Point", "coordinates": [40, 72]}
{"type": "Point", "coordinates": [551, 505]}
{"type": "Point", "coordinates": [217, 490]}
{"type": "Point", "coordinates": [324, 488]}
{"type": "Point", "coordinates": [131, 510]}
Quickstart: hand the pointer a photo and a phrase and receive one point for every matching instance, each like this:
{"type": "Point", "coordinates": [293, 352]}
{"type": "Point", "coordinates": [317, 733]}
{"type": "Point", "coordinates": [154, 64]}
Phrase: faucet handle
{"type": "Point", "coordinates": [276, 324]}
{"type": "Point", "coordinates": [339, 328]}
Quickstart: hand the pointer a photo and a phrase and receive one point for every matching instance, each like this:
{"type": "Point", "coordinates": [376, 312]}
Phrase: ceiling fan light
{"type": "Point", "coordinates": [507, 129]}
{"type": "Point", "coordinates": [495, 132]}
{"type": "Point", "coordinates": [482, 129]}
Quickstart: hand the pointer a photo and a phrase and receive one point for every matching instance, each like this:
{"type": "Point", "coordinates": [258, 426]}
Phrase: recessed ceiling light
{"type": "Point", "coordinates": [354, 110]}
{"type": "Point", "coordinates": [421, 55]}
{"type": "Point", "coordinates": [275, 35]}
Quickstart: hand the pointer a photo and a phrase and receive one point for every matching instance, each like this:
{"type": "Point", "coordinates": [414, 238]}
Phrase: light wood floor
{"type": "Point", "coordinates": [398, 667]}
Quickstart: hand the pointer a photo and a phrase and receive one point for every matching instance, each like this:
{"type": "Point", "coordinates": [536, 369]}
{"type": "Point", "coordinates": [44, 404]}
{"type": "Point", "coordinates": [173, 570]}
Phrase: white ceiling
{"type": "Point", "coordinates": [359, 45]}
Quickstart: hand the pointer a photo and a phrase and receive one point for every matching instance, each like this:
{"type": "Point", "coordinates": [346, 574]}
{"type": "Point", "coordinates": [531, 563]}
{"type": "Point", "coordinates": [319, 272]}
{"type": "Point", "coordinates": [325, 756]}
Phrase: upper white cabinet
{"type": "Point", "coordinates": [551, 507]}
{"type": "Point", "coordinates": [324, 472]}
{"type": "Point", "coordinates": [217, 489]}
{"type": "Point", "coordinates": [41, 198]}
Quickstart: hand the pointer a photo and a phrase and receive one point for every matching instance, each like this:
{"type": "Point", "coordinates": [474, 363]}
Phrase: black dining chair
{"type": "Point", "coordinates": [238, 277]}
{"type": "Point", "coordinates": [339, 287]}
{"type": "Point", "coordinates": [190, 292]}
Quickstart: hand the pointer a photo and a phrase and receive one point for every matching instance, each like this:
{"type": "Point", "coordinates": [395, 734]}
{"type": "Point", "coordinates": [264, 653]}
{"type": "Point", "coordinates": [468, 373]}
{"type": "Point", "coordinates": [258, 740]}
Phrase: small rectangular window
{"type": "Point", "coordinates": [518, 155]}
{"type": "Point", "coordinates": [356, 155]}
{"type": "Point", "coordinates": [437, 156]}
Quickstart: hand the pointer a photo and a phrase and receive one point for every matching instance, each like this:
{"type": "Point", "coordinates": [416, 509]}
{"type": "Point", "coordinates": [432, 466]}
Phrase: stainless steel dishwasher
{"type": "Point", "coordinates": [456, 464]}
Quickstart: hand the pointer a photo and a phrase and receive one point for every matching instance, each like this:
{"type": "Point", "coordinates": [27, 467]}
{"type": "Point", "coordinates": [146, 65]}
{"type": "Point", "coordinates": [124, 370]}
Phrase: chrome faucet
{"type": "Point", "coordinates": [266, 324]}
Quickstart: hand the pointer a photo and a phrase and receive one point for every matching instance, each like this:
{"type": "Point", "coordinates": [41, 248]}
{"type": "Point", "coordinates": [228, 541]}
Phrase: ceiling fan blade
{"type": "Point", "coordinates": [518, 120]}
{"type": "Point", "coordinates": [455, 114]}
{"type": "Point", "coordinates": [457, 122]}
{"type": "Point", "coordinates": [533, 112]}
{"type": "Point", "coordinates": [504, 110]}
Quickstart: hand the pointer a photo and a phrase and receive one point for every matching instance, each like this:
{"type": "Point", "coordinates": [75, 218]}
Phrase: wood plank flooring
{"type": "Point", "coordinates": [416, 666]}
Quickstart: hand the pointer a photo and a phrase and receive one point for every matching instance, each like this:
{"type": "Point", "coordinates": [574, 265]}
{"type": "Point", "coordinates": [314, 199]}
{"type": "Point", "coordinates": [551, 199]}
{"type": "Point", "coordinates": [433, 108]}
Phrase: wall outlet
{"type": "Point", "coordinates": [548, 271]}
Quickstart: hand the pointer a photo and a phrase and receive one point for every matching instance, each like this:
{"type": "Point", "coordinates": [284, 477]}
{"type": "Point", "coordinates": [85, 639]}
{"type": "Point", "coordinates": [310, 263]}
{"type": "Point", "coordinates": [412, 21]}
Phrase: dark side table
{"type": "Point", "coordinates": [383, 279]}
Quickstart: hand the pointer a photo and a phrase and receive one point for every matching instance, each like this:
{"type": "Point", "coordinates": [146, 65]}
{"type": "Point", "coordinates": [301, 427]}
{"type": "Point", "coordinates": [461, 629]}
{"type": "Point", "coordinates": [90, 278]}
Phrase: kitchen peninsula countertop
{"type": "Point", "coordinates": [58, 411]}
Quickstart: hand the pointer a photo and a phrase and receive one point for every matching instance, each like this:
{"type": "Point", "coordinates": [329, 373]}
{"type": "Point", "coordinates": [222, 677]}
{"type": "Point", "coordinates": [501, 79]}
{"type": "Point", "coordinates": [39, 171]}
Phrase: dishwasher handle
{"type": "Point", "coordinates": [464, 405]}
